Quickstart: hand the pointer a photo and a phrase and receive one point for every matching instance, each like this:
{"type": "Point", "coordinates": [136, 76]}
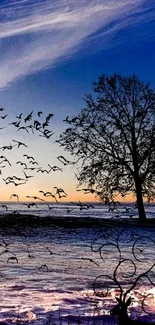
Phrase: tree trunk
{"type": "Point", "coordinates": [140, 204]}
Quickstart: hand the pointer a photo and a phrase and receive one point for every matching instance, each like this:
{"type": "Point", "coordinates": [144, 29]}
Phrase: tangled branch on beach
{"type": "Point", "coordinates": [131, 271]}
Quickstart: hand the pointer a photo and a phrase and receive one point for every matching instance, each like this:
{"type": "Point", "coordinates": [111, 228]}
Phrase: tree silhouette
{"type": "Point", "coordinates": [113, 140]}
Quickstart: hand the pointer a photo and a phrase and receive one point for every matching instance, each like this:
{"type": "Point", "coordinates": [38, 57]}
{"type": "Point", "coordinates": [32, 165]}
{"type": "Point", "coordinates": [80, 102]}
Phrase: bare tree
{"type": "Point", "coordinates": [113, 140]}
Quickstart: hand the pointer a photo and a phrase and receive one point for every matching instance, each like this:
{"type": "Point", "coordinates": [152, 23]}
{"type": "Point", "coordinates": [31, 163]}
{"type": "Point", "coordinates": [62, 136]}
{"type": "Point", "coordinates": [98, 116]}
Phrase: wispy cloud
{"type": "Point", "coordinates": [35, 35]}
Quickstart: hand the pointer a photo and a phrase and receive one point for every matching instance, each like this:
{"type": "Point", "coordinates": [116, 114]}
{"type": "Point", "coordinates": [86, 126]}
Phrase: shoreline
{"type": "Point", "coordinates": [11, 220]}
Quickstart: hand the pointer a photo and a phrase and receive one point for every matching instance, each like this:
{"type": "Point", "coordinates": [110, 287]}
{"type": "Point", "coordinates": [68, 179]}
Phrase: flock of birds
{"type": "Point", "coordinates": [29, 165]}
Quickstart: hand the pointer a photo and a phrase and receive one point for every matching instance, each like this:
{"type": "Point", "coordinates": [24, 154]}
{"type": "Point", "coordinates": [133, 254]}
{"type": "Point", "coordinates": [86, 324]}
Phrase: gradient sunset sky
{"type": "Point", "coordinates": [51, 52]}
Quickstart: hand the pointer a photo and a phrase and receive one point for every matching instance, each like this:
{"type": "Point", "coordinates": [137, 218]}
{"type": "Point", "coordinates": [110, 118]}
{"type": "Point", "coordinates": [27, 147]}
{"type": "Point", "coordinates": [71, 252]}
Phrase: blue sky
{"type": "Point", "coordinates": [52, 51]}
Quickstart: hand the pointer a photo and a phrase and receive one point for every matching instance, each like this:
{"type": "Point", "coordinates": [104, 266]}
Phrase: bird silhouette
{"type": "Point", "coordinates": [33, 162]}
{"type": "Point", "coordinates": [40, 113]}
{"type": "Point", "coordinates": [83, 205]}
{"type": "Point", "coordinates": [10, 178]}
{"type": "Point", "coordinates": [65, 161]}
{"type": "Point", "coordinates": [47, 194]}
{"type": "Point", "coordinates": [30, 127]}
{"type": "Point", "coordinates": [90, 260]}
{"type": "Point", "coordinates": [54, 168]}
{"type": "Point", "coordinates": [1, 109]}
{"type": "Point", "coordinates": [61, 193]}
{"type": "Point", "coordinates": [12, 259]}
{"type": "Point", "coordinates": [7, 251]}
{"type": "Point", "coordinates": [23, 128]}
{"type": "Point", "coordinates": [37, 125]}
{"type": "Point", "coordinates": [5, 243]}
{"type": "Point", "coordinates": [14, 195]}
{"type": "Point", "coordinates": [10, 147]}
{"type": "Point", "coordinates": [3, 117]}
{"type": "Point", "coordinates": [28, 252]}
{"type": "Point", "coordinates": [5, 160]}
{"type": "Point", "coordinates": [16, 124]}
{"type": "Point", "coordinates": [28, 157]}
{"type": "Point", "coordinates": [34, 197]}
{"type": "Point", "coordinates": [4, 206]}
{"type": "Point", "coordinates": [49, 116]}
{"type": "Point", "coordinates": [17, 184]}
{"type": "Point", "coordinates": [30, 205]}
{"type": "Point", "coordinates": [49, 206]}
{"type": "Point", "coordinates": [27, 176]}
{"type": "Point", "coordinates": [21, 163]}
{"type": "Point", "coordinates": [5, 180]}
{"type": "Point", "coordinates": [42, 170]}
{"type": "Point", "coordinates": [45, 124]}
{"type": "Point", "coordinates": [20, 143]}
{"type": "Point", "coordinates": [43, 267]}
{"type": "Point", "coordinates": [19, 116]}
{"type": "Point", "coordinates": [51, 253]}
{"type": "Point", "coordinates": [28, 117]}
{"type": "Point", "coordinates": [69, 210]}
{"type": "Point", "coordinates": [46, 133]}
{"type": "Point", "coordinates": [32, 168]}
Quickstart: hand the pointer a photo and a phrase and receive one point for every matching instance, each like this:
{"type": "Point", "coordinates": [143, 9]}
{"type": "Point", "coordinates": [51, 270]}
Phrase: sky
{"type": "Point", "coordinates": [51, 53]}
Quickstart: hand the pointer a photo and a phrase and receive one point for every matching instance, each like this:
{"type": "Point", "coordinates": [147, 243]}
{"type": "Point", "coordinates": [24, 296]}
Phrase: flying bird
{"type": "Point", "coordinates": [16, 124]}
{"type": "Point", "coordinates": [45, 124]}
{"type": "Point", "coordinates": [5, 160]}
{"type": "Point", "coordinates": [3, 117]}
{"type": "Point", "coordinates": [20, 143]}
{"type": "Point", "coordinates": [47, 194]}
{"type": "Point", "coordinates": [90, 260]}
{"type": "Point", "coordinates": [4, 206]}
{"type": "Point", "coordinates": [28, 117]}
{"type": "Point", "coordinates": [19, 116]}
{"type": "Point", "coordinates": [32, 168]}
{"type": "Point", "coordinates": [83, 206]}
{"type": "Point", "coordinates": [46, 133]}
{"type": "Point", "coordinates": [65, 161]}
{"type": "Point", "coordinates": [59, 191]}
{"type": "Point", "coordinates": [33, 162]}
{"type": "Point", "coordinates": [30, 127]}
{"type": "Point", "coordinates": [30, 205]}
{"type": "Point", "coordinates": [37, 125]}
{"type": "Point", "coordinates": [34, 197]}
{"type": "Point", "coordinates": [12, 259]}
{"type": "Point", "coordinates": [10, 147]}
{"type": "Point", "coordinates": [54, 168]}
{"type": "Point", "coordinates": [17, 184]}
{"type": "Point", "coordinates": [23, 128]}
{"type": "Point", "coordinates": [27, 176]}
{"type": "Point", "coordinates": [28, 157]}
{"type": "Point", "coordinates": [42, 171]}
{"type": "Point", "coordinates": [40, 113]}
{"type": "Point", "coordinates": [14, 195]}
{"type": "Point", "coordinates": [43, 267]}
{"type": "Point", "coordinates": [22, 164]}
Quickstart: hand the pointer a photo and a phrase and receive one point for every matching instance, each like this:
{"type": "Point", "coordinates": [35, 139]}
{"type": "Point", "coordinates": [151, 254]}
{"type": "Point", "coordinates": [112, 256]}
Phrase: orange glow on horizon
{"type": "Point", "coordinates": [73, 195]}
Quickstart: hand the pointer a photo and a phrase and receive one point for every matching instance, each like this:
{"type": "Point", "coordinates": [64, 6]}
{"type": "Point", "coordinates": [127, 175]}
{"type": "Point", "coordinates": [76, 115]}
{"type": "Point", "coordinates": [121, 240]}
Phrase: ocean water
{"type": "Point", "coordinates": [74, 209]}
{"type": "Point", "coordinates": [49, 273]}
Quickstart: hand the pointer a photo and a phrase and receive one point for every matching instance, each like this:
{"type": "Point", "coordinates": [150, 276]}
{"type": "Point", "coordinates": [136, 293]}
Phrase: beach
{"type": "Point", "coordinates": [48, 266]}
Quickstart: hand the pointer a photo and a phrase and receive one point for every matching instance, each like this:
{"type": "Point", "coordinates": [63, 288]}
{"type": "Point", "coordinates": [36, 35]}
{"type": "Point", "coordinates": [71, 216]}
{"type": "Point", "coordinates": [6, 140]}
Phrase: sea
{"type": "Point", "coordinates": [71, 274]}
